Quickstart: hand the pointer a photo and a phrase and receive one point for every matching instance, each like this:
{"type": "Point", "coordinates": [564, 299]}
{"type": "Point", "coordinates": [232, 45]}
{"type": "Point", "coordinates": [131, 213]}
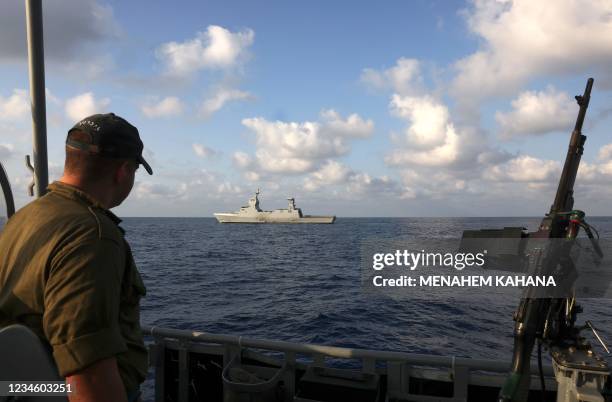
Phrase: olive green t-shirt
{"type": "Point", "coordinates": [67, 273]}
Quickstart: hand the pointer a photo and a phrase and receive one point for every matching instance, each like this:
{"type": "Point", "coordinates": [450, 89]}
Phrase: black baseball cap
{"type": "Point", "coordinates": [111, 136]}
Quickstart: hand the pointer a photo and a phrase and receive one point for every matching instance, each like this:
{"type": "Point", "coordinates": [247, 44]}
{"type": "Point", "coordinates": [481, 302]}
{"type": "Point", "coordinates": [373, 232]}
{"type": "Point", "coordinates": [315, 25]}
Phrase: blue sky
{"type": "Point", "coordinates": [411, 108]}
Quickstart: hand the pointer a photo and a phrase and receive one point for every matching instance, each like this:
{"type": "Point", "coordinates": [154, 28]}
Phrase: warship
{"type": "Point", "coordinates": [252, 213]}
{"type": "Point", "coordinates": [192, 365]}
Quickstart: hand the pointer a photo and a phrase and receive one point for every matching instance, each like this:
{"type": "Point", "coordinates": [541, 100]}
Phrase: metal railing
{"type": "Point", "coordinates": [398, 365]}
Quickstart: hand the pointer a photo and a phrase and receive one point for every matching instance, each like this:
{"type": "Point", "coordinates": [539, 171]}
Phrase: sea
{"type": "Point", "coordinates": [302, 283]}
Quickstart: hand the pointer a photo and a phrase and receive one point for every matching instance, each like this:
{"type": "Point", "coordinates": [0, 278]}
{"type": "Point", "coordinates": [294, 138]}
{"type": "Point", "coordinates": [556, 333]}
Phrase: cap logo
{"type": "Point", "coordinates": [90, 124]}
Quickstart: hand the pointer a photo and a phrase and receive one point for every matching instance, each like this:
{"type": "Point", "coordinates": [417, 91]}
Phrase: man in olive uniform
{"type": "Point", "coordinates": [67, 273]}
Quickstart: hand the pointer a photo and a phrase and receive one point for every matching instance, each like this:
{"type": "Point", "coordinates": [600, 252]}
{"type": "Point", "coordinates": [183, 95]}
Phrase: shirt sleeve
{"type": "Point", "coordinates": [82, 297]}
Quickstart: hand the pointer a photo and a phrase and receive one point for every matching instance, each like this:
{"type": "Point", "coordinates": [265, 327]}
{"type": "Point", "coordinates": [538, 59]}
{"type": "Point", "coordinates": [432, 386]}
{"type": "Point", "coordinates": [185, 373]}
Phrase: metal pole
{"type": "Point", "coordinates": [36, 59]}
{"type": "Point", "coordinates": [6, 190]}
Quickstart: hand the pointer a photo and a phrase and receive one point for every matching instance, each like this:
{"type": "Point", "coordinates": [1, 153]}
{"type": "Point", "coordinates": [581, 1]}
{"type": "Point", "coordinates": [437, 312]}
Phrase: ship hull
{"type": "Point", "coordinates": [269, 218]}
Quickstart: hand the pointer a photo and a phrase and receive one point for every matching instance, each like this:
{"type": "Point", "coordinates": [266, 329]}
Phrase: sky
{"type": "Point", "coordinates": [355, 108]}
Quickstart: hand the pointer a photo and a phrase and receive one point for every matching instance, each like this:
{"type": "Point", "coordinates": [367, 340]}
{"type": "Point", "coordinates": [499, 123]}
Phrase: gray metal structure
{"type": "Point", "coordinates": [7, 193]}
{"type": "Point", "coordinates": [581, 374]}
{"type": "Point", "coordinates": [36, 64]}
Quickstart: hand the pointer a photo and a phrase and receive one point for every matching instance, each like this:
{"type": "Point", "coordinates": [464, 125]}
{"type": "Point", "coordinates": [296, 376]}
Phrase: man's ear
{"type": "Point", "coordinates": [122, 171]}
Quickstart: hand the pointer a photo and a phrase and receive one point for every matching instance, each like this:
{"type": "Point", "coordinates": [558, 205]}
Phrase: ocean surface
{"type": "Point", "coordinates": [302, 283]}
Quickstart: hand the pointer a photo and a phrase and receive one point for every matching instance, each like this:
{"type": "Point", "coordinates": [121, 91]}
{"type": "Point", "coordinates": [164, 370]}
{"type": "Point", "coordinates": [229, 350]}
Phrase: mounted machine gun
{"type": "Point", "coordinates": [551, 321]}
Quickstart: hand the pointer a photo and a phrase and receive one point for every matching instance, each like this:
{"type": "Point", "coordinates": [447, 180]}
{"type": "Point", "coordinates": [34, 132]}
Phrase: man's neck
{"type": "Point", "coordinates": [98, 193]}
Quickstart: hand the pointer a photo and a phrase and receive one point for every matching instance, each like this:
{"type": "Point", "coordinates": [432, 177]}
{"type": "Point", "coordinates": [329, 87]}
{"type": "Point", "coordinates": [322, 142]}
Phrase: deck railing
{"type": "Point", "coordinates": [397, 365]}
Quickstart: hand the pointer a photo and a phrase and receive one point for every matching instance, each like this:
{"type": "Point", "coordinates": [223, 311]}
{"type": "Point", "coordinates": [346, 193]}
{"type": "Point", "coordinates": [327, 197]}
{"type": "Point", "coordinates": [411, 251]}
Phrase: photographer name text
{"type": "Point", "coordinates": [465, 281]}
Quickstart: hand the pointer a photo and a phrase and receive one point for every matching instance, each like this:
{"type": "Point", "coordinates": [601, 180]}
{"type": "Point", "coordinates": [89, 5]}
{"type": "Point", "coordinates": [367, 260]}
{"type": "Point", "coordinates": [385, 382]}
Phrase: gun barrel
{"type": "Point", "coordinates": [532, 313]}
{"type": "Point", "coordinates": [564, 199]}
{"type": "Point", "coordinates": [583, 102]}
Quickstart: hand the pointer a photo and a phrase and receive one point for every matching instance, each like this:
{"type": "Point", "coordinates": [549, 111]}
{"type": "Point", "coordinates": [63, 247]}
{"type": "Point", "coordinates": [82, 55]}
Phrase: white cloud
{"type": "Point", "coordinates": [203, 177]}
{"type": "Point", "coordinates": [446, 151]}
{"type": "Point", "coordinates": [493, 157]}
{"type": "Point", "coordinates": [332, 172]}
{"type": "Point", "coordinates": [524, 168]}
{"type": "Point", "coordinates": [252, 176]}
{"type": "Point", "coordinates": [606, 168]}
{"type": "Point", "coordinates": [150, 190]}
{"type": "Point", "coordinates": [438, 158]}
{"type": "Point", "coordinates": [202, 186]}
{"type": "Point", "coordinates": [429, 119]}
{"type": "Point", "coordinates": [220, 98]}
{"type": "Point", "coordinates": [167, 107]}
{"type": "Point", "coordinates": [403, 78]}
{"type": "Point", "coordinates": [587, 172]}
{"type": "Point", "coordinates": [522, 39]}
{"type": "Point", "coordinates": [353, 126]}
{"type": "Point", "coordinates": [242, 159]}
{"type": "Point", "coordinates": [16, 106]}
{"type": "Point", "coordinates": [605, 152]}
{"type": "Point", "coordinates": [216, 48]}
{"type": "Point", "coordinates": [537, 113]}
{"type": "Point", "coordinates": [431, 138]}
{"type": "Point", "coordinates": [435, 154]}
{"type": "Point", "coordinates": [203, 151]}
{"type": "Point", "coordinates": [342, 180]}
{"type": "Point", "coordinates": [363, 183]}
{"type": "Point", "coordinates": [299, 147]}
{"type": "Point", "coordinates": [433, 184]}
{"type": "Point", "coordinates": [6, 151]}
{"type": "Point", "coordinates": [51, 98]}
{"type": "Point", "coordinates": [595, 173]}
{"type": "Point", "coordinates": [228, 188]}
{"type": "Point", "coordinates": [85, 105]}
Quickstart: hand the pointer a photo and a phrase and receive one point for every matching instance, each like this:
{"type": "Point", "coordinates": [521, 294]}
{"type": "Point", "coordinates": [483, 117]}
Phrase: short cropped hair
{"type": "Point", "coordinates": [89, 166]}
